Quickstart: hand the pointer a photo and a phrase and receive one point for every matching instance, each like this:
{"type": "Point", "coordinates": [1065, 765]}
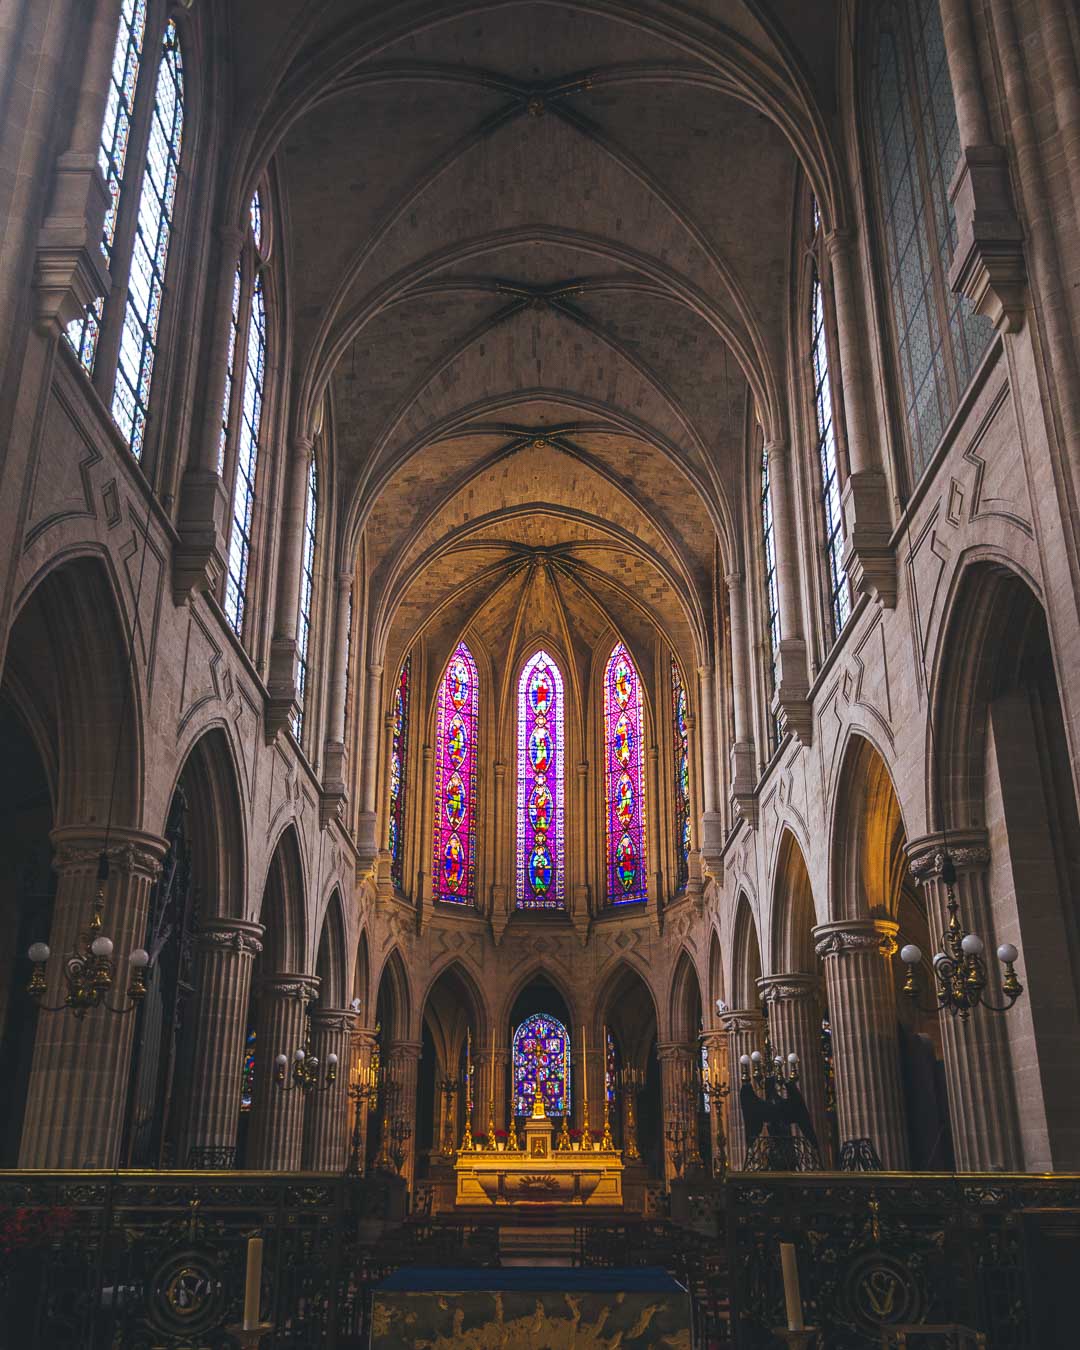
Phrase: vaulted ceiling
{"type": "Point", "coordinates": [538, 259]}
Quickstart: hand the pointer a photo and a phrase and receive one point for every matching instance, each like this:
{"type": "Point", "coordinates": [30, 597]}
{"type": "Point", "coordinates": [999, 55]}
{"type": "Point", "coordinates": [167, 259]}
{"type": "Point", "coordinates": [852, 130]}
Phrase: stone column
{"type": "Point", "coordinates": [862, 1011]}
{"type": "Point", "coordinates": [982, 1101]}
{"type": "Point", "coordinates": [676, 1062]}
{"type": "Point", "coordinates": [282, 705]}
{"type": "Point", "coordinates": [745, 1029]}
{"type": "Point", "coordinates": [335, 756]}
{"type": "Point", "coordinates": [78, 1087]}
{"type": "Point", "coordinates": [367, 846]}
{"type": "Point", "coordinates": [80, 1070]}
{"type": "Point", "coordinates": [712, 822]}
{"type": "Point", "coordinates": [743, 775]}
{"type": "Point", "coordinates": [277, 1113]}
{"type": "Point", "coordinates": [792, 676]}
{"type": "Point", "coordinates": [226, 952]}
{"type": "Point", "coordinates": [326, 1112]}
{"type": "Point", "coordinates": [793, 1003]}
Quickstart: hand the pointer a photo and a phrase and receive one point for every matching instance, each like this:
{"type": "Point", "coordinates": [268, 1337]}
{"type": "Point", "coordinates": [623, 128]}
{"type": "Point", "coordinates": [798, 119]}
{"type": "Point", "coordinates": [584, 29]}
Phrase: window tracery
{"type": "Point", "coordinates": [542, 1065]}
{"type": "Point", "coordinates": [456, 735]}
{"type": "Point", "coordinates": [681, 739]}
{"type": "Point", "coordinates": [307, 591]}
{"type": "Point", "coordinates": [624, 775]}
{"type": "Point", "coordinates": [772, 594]}
{"type": "Point", "coordinates": [540, 828]}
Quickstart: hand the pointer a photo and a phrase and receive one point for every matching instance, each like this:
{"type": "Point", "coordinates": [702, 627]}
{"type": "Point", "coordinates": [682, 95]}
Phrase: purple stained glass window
{"type": "Point", "coordinates": [624, 780]}
{"type": "Point", "coordinates": [456, 729]}
{"type": "Point", "coordinates": [399, 748]}
{"type": "Point", "coordinates": [681, 736]}
{"type": "Point", "coordinates": [542, 1064]}
{"type": "Point", "coordinates": [247, 1073]}
{"type": "Point", "coordinates": [541, 881]}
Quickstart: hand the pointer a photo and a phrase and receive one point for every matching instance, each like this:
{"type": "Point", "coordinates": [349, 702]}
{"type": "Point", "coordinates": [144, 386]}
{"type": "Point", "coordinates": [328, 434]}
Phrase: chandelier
{"type": "Point", "coordinates": [960, 971]}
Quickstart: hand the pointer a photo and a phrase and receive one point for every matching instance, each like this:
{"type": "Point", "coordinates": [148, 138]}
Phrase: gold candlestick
{"type": "Point", "coordinates": [467, 1144]}
{"type": "Point", "coordinates": [586, 1133]}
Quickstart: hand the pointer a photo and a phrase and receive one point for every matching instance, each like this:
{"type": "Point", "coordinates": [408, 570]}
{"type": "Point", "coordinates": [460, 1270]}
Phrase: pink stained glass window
{"type": "Point", "coordinates": [681, 737]}
{"type": "Point", "coordinates": [399, 748]}
{"type": "Point", "coordinates": [541, 878]}
{"type": "Point", "coordinates": [456, 730]}
{"type": "Point", "coordinates": [624, 780]}
{"type": "Point", "coordinates": [542, 1065]}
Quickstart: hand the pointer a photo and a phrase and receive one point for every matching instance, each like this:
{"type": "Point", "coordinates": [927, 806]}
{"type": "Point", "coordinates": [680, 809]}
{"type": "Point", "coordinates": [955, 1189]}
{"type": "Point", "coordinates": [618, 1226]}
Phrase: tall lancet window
{"type": "Point", "coordinates": [457, 724]}
{"type": "Point", "coordinates": [241, 414]}
{"type": "Point", "coordinates": [307, 593]}
{"type": "Point", "coordinates": [83, 333]}
{"type": "Point", "coordinates": [399, 752]}
{"type": "Point", "coordinates": [624, 777]}
{"type": "Point", "coordinates": [150, 250]}
{"type": "Point", "coordinates": [681, 741]}
{"type": "Point", "coordinates": [541, 873]}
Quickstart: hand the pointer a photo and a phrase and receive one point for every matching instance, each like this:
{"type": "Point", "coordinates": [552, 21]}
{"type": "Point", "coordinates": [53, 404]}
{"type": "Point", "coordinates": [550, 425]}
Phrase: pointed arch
{"type": "Point", "coordinates": [684, 1009]}
{"type": "Point", "coordinates": [626, 1004]}
{"type": "Point", "coordinates": [393, 1002]}
{"type": "Point", "coordinates": [624, 780]}
{"type": "Point", "coordinates": [361, 980]}
{"type": "Point", "coordinates": [457, 732]}
{"type": "Point", "coordinates": [541, 733]}
{"type": "Point", "coordinates": [716, 973]}
{"type": "Point", "coordinates": [210, 775]}
{"type": "Point", "coordinates": [539, 972]}
{"type": "Point", "coordinates": [745, 957]}
{"type": "Point", "coordinates": [867, 862]}
{"type": "Point", "coordinates": [331, 961]}
{"type": "Point", "coordinates": [283, 912]}
{"type": "Point", "coordinates": [793, 912]}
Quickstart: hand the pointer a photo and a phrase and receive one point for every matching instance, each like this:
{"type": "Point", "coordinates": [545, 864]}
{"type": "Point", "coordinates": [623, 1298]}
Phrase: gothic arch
{"type": "Point", "coordinates": [867, 862]}
{"type": "Point", "coordinates": [685, 1008]}
{"type": "Point", "coordinates": [794, 914]}
{"type": "Point", "coordinates": [331, 961]}
{"type": "Point", "coordinates": [361, 985]}
{"type": "Point", "coordinates": [539, 970]}
{"type": "Point", "coordinates": [455, 971]}
{"type": "Point", "coordinates": [283, 911]}
{"type": "Point", "coordinates": [218, 825]}
{"type": "Point", "coordinates": [621, 990]}
{"type": "Point", "coordinates": [394, 984]}
{"type": "Point", "coordinates": [716, 975]}
{"type": "Point", "coordinates": [745, 956]}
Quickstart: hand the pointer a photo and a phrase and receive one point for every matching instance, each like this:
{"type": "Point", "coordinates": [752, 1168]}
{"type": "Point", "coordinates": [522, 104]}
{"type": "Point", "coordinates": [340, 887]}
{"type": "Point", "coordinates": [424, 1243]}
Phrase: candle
{"type": "Point", "coordinates": [253, 1283]}
{"type": "Point", "coordinates": [792, 1296]}
{"type": "Point", "coordinates": [584, 1070]}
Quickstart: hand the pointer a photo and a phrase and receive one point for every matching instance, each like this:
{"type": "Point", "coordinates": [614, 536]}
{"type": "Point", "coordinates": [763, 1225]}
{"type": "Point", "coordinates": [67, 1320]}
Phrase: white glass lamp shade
{"type": "Point", "coordinates": [39, 952]}
{"type": "Point", "coordinates": [139, 958]}
{"type": "Point", "coordinates": [911, 955]}
{"type": "Point", "coordinates": [972, 945]}
{"type": "Point", "coordinates": [102, 946]}
{"type": "Point", "coordinates": [1007, 953]}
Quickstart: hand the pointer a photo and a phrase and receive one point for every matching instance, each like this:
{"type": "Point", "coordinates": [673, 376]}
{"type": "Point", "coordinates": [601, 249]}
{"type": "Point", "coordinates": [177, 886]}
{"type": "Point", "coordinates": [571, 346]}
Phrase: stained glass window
{"type": "Point", "coordinates": [768, 549]}
{"type": "Point", "coordinates": [456, 730]}
{"type": "Point", "coordinates": [399, 749]}
{"type": "Point", "coordinates": [705, 1074]}
{"type": "Point", "coordinates": [247, 455]}
{"type": "Point", "coordinates": [256, 220]}
{"type": "Point", "coordinates": [541, 718]}
{"type": "Point", "coordinates": [247, 1073]}
{"type": "Point", "coordinates": [542, 1064]}
{"type": "Point", "coordinates": [939, 338]}
{"type": "Point", "coordinates": [839, 594]}
{"type": "Point", "coordinates": [83, 333]}
{"type": "Point", "coordinates": [230, 364]}
{"type": "Point", "coordinates": [624, 776]}
{"type": "Point", "coordinates": [681, 740]}
{"type": "Point", "coordinates": [150, 251]}
{"type": "Point", "coordinates": [307, 591]}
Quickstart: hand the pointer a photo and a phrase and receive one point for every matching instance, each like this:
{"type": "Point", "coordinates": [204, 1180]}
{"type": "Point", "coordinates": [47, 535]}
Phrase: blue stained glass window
{"type": "Point", "coordinates": [150, 251]}
{"type": "Point", "coordinates": [456, 734]}
{"type": "Point", "coordinates": [839, 593]}
{"type": "Point", "coordinates": [772, 594]}
{"type": "Point", "coordinates": [542, 1065]}
{"type": "Point", "coordinates": [83, 333]}
{"type": "Point", "coordinates": [307, 591]}
{"type": "Point", "coordinates": [256, 220]}
{"type": "Point", "coordinates": [541, 879]}
{"type": "Point", "coordinates": [399, 750]}
{"type": "Point", "coordinates": [230, 364]}
{"type": "Point", "coordinates": [624, 777]}
{"type": "Point", "coordinates": [681, 742]}
{"type": "Point", "coordinates": [247, 1072]}
{"type": "Point", "coordinates": [247, 455]}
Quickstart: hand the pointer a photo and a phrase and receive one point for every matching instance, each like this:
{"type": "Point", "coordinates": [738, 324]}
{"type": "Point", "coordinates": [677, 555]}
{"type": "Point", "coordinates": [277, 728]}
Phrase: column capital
{"type": "Point", "coordinates": [839, 243]}
{"type": "Point", "coordinates": [301, 445]}
{"type": "Point", "coordinates": [674, 1050]}
{"type": "Point", "coordinates": [405, 1050]}
{"type": "Point", "coordinates": [788, 988]}
{"type": "Point", "coordinates": [230, 237]}
{"type": "Point", "coordinates": [305, 988]}
{"type": "Point", "coordinates": [238, 935]}
{"type": "Point", "coordinates": [344, 580]}
{"type": "Point", "coordinates": [742, 1019]}
{"type": "Point", "coordinates": [968, 849]}
{"type": "Point", "coordinates": [733, 580]}
{"type": "Point", "coordinates": [77, 848]}
{"type": "Point", "coordinates": [776, 451]}
{"type": "Point", "coordinates": [856, 937]}
{"type": "Point", "coordinates": [332, 1019]}
{"type": "Point", "coordinates": [374, 670]}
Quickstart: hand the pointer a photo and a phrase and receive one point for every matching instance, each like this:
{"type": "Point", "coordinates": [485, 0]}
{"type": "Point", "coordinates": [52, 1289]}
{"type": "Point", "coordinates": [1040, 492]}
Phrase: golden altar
{"type": "Point", "coordinates": [540, 1173]}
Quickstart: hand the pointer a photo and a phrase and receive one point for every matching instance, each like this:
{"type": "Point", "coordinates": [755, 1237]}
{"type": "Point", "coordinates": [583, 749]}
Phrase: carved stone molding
{"type": "Point", "coordinates": [745, 1019]}
{"type": "Point", "coordinates": [855, 938]}
{"type": "Point", "coordinates": [302, 987]}
{"type": "Point", "coordinates": [926, 856]}
{"type": "Point", "coordinates": [988, 265]}
{"type": "Point", "coordinates": [774, 988]}
{"type": "Point", "coordinates": [69, 267]}
{"type": "Point", "coordinates": [242, 939]}
{"type": "Point", "coordinates": [333, 1019]}
{"type": "Point", "coordinates": [130, 852]}
{"type": "Point", "coordinates": [675, 1051]}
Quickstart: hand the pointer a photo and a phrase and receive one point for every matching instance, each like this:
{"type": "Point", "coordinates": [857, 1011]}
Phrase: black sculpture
{"type": "Point", "coordinates": [768, 1117]}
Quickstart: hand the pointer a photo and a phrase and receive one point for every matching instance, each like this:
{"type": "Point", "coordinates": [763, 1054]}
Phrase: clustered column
{"type": "Point", "coordinates": [982, 1103]}
{"type": "Point", "coordinates": [226, 950]}
{"type": "Point", "coordinates": [794, 1011]}
{"type": "Point", "coordinates": [277, 1115]}
{"type": "Point", "coordinates": [79, 1074]}
{"type": "Point", "coordinates": [326, 1144]}
{"type": "Point", "coordinates": [745, 1029]}
{"type": "Point", "coordinates": [862, 1013]}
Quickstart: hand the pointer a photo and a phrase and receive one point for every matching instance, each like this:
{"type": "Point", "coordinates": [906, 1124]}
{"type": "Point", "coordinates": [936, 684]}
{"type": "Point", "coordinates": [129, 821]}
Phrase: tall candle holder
{"type": "Point", "coordinates": [467, 1144]}
{"type": "Point", "coordinates": [364, 1094]}
{"type": "Point", "coordinates": [630, 1081]}
{"type": "Point", "coordinates": [449, 1087]}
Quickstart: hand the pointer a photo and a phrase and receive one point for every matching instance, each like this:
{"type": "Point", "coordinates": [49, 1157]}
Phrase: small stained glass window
{"type": "Point", "coordinates": [542, 1065]}
{"type": "Point", "coordinates": [247, 1072]}
{"type": "Point", "coordinates": [307, 592]}
{"type": "Point", "coordinates": [256, 217]}
{"type": "Point", "coordinates": [839, 592]}
{"type": "Point", "coordinates": [150, 251]}
{"type": "Point", "coordinates": [456, 732]}
{"type": "Point", "coordinates": [624, 735]}
{"type": "Point", "coordinates": [681, 742]}
{"type": "Point", "coordinates": [83, 333]}
{"type": "Point", "coordinates": [247, 457]}
{"type": "Point", "coordinates": [541, 718]}
{"type": "Point", "coordinates": [399, 749]}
